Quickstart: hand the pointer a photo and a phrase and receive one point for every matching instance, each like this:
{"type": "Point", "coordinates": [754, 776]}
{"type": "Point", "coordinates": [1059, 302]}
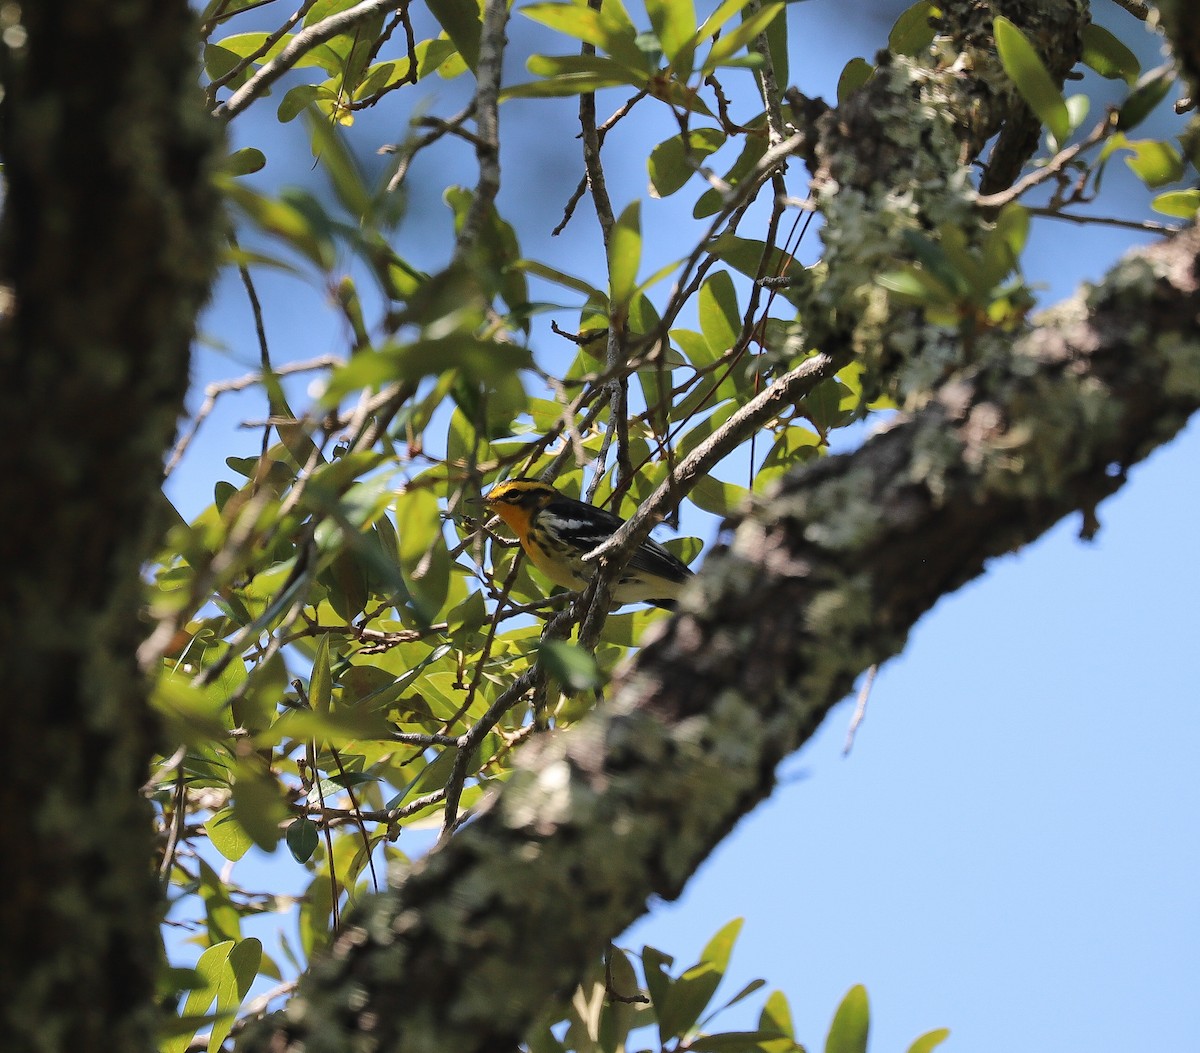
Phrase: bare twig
{"type": "Point", "coordinates": [860, 708]}
{"type": "Point", "coordinates": [223, 387]}
{"type": "Point", "coordinates": [1148, 225]}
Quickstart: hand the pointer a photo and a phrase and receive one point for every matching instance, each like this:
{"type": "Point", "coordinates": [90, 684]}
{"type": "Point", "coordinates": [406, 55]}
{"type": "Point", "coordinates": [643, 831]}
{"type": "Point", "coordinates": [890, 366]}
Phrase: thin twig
{"type": "Point", "coordinates": [223, 387]}
{"type": "Point", "coordinates": [1147, 225]}
{"type": "Point", "coordinates": [178, 815]}
{"type": "Point", "coordinates": [860, 708]}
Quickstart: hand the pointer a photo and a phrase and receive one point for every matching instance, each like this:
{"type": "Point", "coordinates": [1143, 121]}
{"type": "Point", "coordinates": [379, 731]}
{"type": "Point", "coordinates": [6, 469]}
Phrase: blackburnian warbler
{"type": "Point", "coordinates": [557, 531]}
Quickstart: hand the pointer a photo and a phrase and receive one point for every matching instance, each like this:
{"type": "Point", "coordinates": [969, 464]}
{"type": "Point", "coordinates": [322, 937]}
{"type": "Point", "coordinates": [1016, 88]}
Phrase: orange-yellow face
{"type": "Point", "coordinates": [517, 501]}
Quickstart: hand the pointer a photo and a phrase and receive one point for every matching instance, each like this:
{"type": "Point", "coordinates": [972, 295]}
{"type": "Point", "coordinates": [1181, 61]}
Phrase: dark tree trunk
{"type": "Point", "coordinates": [106, 252]}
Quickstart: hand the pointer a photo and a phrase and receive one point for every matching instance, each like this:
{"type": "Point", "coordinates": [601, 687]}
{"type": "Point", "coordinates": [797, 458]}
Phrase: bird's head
{"type": "Point", "coordinates": [527, 494]}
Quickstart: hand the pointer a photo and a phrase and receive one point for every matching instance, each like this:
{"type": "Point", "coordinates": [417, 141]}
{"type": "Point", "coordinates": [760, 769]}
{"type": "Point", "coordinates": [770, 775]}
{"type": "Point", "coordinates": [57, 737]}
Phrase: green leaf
{"type": "Point", "coordinates": [658, 982]}
{"type": "Point", "coordinates": [855, 74]}
{"type": "Point", "coordinates": [916, 285]}
{"type": "Point", "coordinates": [564, 85]}
{"type": "Point", "coordinates": [1149, 91]}
{"type": "Point", "coordinates": [719, 949]}
{"type": "Point", "coordinates": [460, 19]}
{"type": "Point", "coordinates": [584, 65]}
{"type": "Point", "coordinates": [1078, 107]}
{"type": "Point", "coordinates": [912, 31]}
{"type": "Point", "coordinates": [930, 1040]}
{"type": "Point", "coordinates": [625, 255]}
{"type": "Point", "coordinates": [320, 686]}
{"type": "Point", "coordinates": [723, 12]}
{"type": "Point", "coordinates": [332, 154]}
{"type": "Point", "coordinates": [222, 920]}
{"type": "Point", "coordinates": [259, 804]}
{"type": "Point", "coordinates": [244, 161]}
{"type": "Point", "coordinates": [608, 28]}
{"type": "Point", "coordinates": [712, 200]}
{"type": "Point", "coordinates": [302, 839]}
{"type": "Point", "coordinates": [823, 406]}
{"type": "Point", "coordinates": [1003, 245]}
{"type": "Point", "coordinates": [233, 982]}
{"type": "Point", "coordinates": [672, 162]}
{"type": "Point", "coordinates": [733, 41]}
{"type": "Point", "coordinates": [851, 1023]}
{"type": "Point", "coordinates": [570, 665]}
{"type": "Point", "coordinates": [754, 259]}
{"type": "Point", "coordinates": [298, 99]}
{"type": "Point", "coordinates": [674, 22]}
{"type": "Point", "coordinates": [719, 498]}
{"type": "Point", "coordinates": [776, 1015]}
{"type": "Point", "coordinates": [245, 44]}
{"type": "Point", "coordinates": [744, 993]}
{"type": "Point", "coordinates": [423, 556]}
{"type": "Point", "coordinates": [226, 9]}
{"type": "Point", "coordinates": [286, 219]}
{"type": "Point", "coordinates": [480, 359]}
{"type": "Point", "coordinates": [211, 964]}
{"type": "Point", "coordinates": [1180, 203]}
{"type": "Point", "coordinates": [227, 835]}
{"type": "Point", "coordinates": [1104, 53]}
{"type": "Point", "coordinates": [1154, 162]}
{"type": "Point", "coordinates": [1031, 78]}
{"type": "Point", "coordinates": [550, 274]}
{"type": "Point", "coordinates": [720, 320]}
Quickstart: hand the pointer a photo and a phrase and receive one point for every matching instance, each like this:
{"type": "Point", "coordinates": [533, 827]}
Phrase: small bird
{"type": "Point", "coordinates": [556, 531]}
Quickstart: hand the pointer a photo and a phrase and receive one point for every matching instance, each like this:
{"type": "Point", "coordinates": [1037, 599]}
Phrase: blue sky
{"type": "Point", "coordinates": [1010, 849]}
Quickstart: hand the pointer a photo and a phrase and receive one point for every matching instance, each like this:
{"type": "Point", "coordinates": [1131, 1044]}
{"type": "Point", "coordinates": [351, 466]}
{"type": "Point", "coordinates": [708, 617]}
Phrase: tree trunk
{"type": "Point", "coordinates": [106, 252]}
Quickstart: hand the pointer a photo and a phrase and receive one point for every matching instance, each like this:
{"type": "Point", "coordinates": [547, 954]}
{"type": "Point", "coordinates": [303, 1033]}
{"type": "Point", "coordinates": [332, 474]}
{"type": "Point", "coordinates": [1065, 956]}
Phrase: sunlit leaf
{"type": "Point", "coordinates": [674, 22]}
{"type": "Point", "coordinates": [929, 1041]}
{"type": "Point", "coordinates": [625, 254]}
{"type": "Point", "coordinates": [736, 39]}
{"type": "Point", "coordinates": [227, 835]}
{"type": "Point", "coordinates": [1179, 203]}
{"type": "Point", "coordinates": [851, 1023]}
{"type": "Point", "coordinates": [673, 162]}
{"type": "Point", "coordinates": [1108, 56]}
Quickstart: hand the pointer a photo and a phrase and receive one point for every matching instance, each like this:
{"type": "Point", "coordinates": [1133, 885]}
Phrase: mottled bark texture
{"type": "Point", "coordinates": [106, 251]}
{"type": "Point", "coordinates": [818, 582]}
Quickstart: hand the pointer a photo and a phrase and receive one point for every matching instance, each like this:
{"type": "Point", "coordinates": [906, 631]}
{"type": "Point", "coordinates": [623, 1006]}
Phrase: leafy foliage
{"type": "Point", "coordinates": [349, 657]}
